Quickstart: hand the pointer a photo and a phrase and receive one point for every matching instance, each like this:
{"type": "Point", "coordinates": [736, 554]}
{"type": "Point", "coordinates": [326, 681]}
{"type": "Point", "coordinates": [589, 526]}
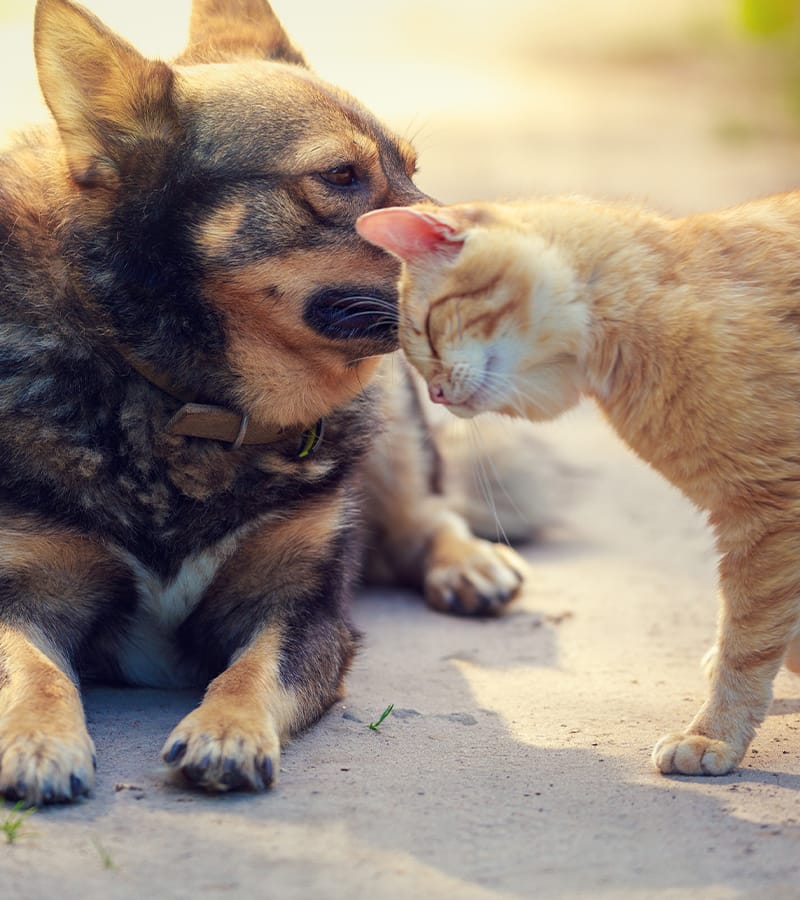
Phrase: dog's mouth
{"type": "Point", "coordinates": [355, 314]}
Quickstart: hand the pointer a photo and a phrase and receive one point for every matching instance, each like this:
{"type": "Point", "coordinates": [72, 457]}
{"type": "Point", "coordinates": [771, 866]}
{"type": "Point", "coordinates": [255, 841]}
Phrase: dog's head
{"type": "Point", "coordinates": [212, 207]}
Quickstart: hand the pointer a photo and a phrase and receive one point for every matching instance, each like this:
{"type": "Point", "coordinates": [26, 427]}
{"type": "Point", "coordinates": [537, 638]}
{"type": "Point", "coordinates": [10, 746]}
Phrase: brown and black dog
{"type": "Point", "coordinates": [193, 424]}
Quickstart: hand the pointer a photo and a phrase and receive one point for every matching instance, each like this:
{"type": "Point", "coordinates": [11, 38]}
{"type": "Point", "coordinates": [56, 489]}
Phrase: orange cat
{"type": "Point", "coordinates": [686, 332]}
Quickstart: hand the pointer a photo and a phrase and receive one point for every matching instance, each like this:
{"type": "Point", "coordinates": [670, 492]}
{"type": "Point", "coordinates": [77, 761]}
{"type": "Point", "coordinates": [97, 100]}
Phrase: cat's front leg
{"type": "Point", "coordinates": [275, 622]}
{"type": "Point", "coordinates": [759, 617]}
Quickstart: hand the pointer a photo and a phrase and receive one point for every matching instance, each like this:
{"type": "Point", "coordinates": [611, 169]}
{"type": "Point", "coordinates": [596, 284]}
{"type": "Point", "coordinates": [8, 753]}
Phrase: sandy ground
{"type": "Point", "coordinates": [516, 762]}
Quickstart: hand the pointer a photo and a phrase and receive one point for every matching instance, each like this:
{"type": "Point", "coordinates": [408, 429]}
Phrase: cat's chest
{"type": "Point", "coordinates": [679, 446]}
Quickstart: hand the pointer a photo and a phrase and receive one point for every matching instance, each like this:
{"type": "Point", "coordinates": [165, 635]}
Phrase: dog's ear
{"type": "Point", "coordinates": [105, 96]}
{"type": "Point", "coordinates": [230, 30]}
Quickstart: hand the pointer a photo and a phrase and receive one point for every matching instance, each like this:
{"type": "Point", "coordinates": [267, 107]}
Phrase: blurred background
{"type": "Point", "coordinates": [684, 105]}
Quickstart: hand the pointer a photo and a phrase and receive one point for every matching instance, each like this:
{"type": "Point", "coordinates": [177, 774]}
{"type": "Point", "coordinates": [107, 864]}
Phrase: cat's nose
{"type": "Point", "coordinates": [436, 392]}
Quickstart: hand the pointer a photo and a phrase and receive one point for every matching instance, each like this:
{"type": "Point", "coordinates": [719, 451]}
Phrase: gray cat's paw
{"type": "Point", "coordinates": [478, 579]}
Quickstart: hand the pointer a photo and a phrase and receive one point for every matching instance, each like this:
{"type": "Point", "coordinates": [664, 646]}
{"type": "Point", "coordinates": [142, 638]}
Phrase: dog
{"type": "Point", "coordinates": [201, 421]}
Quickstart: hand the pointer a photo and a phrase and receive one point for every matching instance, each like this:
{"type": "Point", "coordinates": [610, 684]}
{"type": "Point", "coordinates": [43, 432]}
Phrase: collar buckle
{"type": "Point", "coordinates": [242, 432]}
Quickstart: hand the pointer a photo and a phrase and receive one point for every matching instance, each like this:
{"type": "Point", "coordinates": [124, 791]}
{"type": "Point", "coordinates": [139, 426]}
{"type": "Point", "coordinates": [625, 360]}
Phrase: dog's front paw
{"type": "Point", "coordinates": [38, 765]}
{"type": "Point", "coordinates": [224, 750]}
{"type": "Point", "coordinates": [695, 754]}
{"type": "Point", "coordinates": [473, 577]}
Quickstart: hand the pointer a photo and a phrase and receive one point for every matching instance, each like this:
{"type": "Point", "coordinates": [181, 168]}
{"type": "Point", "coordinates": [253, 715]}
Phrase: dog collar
{"type": "Point", "coordinates": [218, 423]}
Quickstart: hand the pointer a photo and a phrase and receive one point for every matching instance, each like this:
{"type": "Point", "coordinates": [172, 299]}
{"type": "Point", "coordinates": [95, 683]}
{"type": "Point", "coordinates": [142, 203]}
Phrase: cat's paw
{"type": "Point", "coordinates": [224, 750]}
{"type": "Point", "coordinates": [39, 765]}
{"type": "Point", "coordinates": [476, 578]}
{"type": "Point", "coordinates": [695, 754]}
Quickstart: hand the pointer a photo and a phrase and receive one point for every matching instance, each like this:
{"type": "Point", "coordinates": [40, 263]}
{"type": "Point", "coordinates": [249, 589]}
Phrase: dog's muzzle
{"type": "Point", "coordinates": [355, 313]}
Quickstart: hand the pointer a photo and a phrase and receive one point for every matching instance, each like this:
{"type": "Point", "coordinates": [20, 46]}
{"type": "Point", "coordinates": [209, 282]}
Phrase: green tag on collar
{"type": "Point", "coordinates": [311, 440]}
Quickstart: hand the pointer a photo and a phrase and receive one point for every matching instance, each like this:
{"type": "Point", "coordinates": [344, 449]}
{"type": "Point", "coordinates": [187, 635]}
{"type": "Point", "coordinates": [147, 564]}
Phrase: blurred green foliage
{"type": "Point", "coordinates": [769, 17]}
{"type": "Point", "coordinates": [776, 23]}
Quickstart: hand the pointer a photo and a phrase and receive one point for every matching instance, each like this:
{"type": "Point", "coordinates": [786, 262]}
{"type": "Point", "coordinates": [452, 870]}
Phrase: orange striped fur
{"type": "Point", "coordinates": [686, 332]}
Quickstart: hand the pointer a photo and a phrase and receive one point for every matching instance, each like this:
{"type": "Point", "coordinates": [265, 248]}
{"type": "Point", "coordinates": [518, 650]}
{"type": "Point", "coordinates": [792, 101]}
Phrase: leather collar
{"type": "Point", "coordinates": [218, 423]}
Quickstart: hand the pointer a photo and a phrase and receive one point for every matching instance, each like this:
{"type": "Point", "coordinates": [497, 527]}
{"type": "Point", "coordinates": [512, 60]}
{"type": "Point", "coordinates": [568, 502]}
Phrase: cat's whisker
{"type": "Point", "coordinates": [521, 401]}
{"type": "Point", "coordinates": [503, 379]}
{"type": "Point", "coordinates": [499, 386]}
{"type": "Point", "coordinates": [360, 359]}
{"type": "Point", "coordinates": [498, 479]}
{"type": "Point", "coordinates": [483, 460]}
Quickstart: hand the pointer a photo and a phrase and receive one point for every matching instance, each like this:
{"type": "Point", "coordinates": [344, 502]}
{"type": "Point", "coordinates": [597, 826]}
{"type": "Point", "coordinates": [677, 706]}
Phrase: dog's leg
{"type": "Point", "coordinates": [54, 586]}
{"type": "Point", "coordinates": [284, 650]}
{"type": "Point", "coordinates": [46, 754]}
{"type": "Point", "coordinates": [759, 616]}
{"type": "Point", "coordinates": [232, 741]}
{"type": "Point", "coordinates": [419, 538]}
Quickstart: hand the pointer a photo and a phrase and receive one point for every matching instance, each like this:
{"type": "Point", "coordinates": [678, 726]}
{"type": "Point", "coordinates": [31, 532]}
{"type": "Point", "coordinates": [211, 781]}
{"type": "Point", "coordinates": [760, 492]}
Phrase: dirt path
{"type": "Point", "coordinates": [516, 762]}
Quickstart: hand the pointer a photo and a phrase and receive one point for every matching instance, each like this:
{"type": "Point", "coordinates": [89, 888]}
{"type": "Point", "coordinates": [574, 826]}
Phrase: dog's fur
{"type": "Point", "coordinates": [186, 234]}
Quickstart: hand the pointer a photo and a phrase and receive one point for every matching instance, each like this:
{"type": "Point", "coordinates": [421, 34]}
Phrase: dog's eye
{"type": "Point", "coordinates": [341, 176]}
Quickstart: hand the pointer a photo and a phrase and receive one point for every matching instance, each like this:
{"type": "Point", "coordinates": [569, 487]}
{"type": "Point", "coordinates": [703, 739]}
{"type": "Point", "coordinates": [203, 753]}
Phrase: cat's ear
{"type": "Point", "coordinates": [410, 233]}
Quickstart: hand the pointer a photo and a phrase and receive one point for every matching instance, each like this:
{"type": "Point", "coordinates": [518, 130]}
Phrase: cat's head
{"type": "Point", "coordinates": [488, 311]}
